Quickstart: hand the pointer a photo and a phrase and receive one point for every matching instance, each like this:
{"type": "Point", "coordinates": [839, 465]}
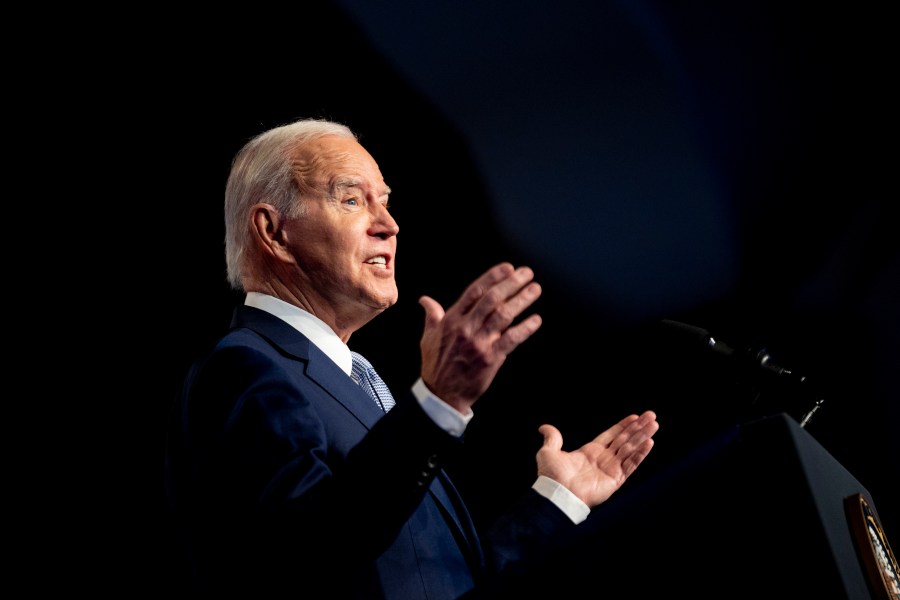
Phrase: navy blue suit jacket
{"type": "Point", "coordinates": [285, 477]}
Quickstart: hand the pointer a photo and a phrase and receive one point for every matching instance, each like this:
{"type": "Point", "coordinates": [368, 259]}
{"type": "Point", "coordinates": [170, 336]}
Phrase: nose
{"type": "Point", "coordinates": [383, 223]}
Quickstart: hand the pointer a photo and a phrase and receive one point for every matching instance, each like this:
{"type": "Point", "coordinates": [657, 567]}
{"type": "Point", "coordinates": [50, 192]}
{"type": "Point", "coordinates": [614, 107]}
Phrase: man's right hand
{"type": "Point", "coordinates": [464, 347]}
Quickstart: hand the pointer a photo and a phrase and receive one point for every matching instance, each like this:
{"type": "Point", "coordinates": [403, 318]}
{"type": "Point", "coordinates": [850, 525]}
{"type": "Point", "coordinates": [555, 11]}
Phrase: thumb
{"type": "Point", "coordinates": [553, 439]}
{"type": "Point", "coordinates": [434, 312]}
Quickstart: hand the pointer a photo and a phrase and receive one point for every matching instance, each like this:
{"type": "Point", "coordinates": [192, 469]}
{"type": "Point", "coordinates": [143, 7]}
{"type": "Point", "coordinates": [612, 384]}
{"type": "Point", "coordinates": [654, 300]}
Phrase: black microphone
{"type": "Point", "coordinates": [756, 361]}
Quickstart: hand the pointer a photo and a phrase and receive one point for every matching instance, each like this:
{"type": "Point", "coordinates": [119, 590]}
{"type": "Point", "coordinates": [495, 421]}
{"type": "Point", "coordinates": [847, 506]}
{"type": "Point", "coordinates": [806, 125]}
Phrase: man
{"type": "Point", "coordinates": [284, 474]}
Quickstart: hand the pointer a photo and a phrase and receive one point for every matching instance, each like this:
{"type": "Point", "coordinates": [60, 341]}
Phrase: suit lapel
{"type": "Point", "coordinates": [344, 390]}
{"type": "Point", "coordinates": [312, 362]}
{"type": "Point", "coordinates": [445, 493]}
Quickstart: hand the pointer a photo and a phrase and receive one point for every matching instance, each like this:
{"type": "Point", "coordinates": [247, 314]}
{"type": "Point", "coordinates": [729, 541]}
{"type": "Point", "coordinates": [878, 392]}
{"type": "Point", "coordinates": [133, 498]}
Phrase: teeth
{"type": "Point", "coordinates": [378, 260]}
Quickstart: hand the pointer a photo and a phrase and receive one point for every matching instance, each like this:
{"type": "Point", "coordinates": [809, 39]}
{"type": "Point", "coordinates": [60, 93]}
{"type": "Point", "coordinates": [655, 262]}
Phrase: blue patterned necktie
{"type": "Point", "coordinates": [364, 374]}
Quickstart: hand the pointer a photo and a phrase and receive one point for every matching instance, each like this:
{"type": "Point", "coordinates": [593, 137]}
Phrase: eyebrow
{"type": "Point", "coordinates": [345, 182]}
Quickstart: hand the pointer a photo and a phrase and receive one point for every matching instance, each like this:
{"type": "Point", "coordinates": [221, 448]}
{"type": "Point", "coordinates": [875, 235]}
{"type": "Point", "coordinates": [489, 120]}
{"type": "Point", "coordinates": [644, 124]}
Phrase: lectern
{"type": "Point", "coordinates": [761, 510]}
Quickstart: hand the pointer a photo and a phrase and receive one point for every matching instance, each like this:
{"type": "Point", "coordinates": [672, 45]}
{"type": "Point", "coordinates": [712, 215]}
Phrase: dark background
{"type": "Point", "coordinates": [722, 166]}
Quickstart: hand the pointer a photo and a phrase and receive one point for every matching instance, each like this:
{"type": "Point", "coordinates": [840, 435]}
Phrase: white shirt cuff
{"type": "Point", "coordinates": [560, 495]}
{"type": "Point", "coordinates": [445, 416]}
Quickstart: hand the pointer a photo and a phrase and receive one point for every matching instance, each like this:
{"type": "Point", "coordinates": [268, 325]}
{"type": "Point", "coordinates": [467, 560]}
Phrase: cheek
{"type": "Point", "coordinates": [345, 243]}
{"type": "Point", "coordinates": [332, 238]}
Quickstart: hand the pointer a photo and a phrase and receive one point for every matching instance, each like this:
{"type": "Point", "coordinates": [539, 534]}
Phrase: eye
{"type": "Point", "coordinates": [352, 201]}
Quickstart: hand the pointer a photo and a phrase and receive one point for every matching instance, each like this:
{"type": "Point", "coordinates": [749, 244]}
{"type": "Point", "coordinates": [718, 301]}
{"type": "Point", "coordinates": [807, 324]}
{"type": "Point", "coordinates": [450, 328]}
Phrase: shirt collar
{"type": "Point", "coordinates": [318, 332]}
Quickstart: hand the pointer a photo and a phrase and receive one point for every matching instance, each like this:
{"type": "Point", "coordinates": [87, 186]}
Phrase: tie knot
{"type": "Point", "coordinates": [360, 368]}
{"type": "Point", "coordinates": [363, 373]}
{"type": "Point", "coordinates": [359, 361]}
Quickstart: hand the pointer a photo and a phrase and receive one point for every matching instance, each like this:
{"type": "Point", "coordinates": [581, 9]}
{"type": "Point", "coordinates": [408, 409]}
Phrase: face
{"type": "Point", "coordinates": [345, 243]}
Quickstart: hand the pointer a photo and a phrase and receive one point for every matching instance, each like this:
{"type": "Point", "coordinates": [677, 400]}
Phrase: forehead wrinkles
{"type": "Point", "coordinates": [320, 171]}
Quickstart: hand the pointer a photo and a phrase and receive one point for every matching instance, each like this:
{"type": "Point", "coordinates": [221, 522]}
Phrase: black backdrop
{"type": "Point", "coordinates": [723, 167]}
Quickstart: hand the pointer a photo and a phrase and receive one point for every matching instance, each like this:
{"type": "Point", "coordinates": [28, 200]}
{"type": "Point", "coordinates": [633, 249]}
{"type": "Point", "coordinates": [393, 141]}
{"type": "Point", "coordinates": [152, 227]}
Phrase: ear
{"type": "Point", "coordinates": [267, 227]}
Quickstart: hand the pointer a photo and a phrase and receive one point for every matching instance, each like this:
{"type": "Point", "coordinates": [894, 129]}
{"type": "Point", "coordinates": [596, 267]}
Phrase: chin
{"type": "Point", "coordinates": [389, 302]}
{"type": "Point", "coordinates": [383, 300]}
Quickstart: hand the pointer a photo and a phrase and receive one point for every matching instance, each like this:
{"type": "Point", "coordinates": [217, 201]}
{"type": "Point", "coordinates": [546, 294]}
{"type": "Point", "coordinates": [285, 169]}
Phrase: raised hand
{"type": "Point", "coordinates": [596, 470]}
{"type": "Point", "coordinates": [464, 346]}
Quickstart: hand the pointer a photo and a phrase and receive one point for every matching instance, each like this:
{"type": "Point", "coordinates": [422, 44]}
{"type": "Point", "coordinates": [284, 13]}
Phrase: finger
{"type": "Point", "coordinates": [508, 310]}
{"type": "Point", "coordinates": [479, 288]}
{"type": "Point", "coordinates": [645, 427]}
{"type": "Point", "coordinates": [552, 437]}
{"type": "Point", "coordinates": [647, 416]}
{"type": "Point", "coordinates": [639, 430]}
{"type": "Point", "coordinates": [608, 437]}
{"type": "Point", "coordinates": [514, 336]}
{"type": "Point", "coordinates": [508, 298]}
{"type": "Point", "coordinates": [637, 456]}
{"type": "Point", "coordinates": [434, 312]}
{"type": "Point", "coordinates": [637, 441]}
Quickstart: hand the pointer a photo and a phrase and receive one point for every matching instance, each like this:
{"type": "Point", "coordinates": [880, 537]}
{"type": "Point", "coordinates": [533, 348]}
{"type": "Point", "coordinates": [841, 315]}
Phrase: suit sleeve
{"type": "Point", "coordinates": [532, 530]}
